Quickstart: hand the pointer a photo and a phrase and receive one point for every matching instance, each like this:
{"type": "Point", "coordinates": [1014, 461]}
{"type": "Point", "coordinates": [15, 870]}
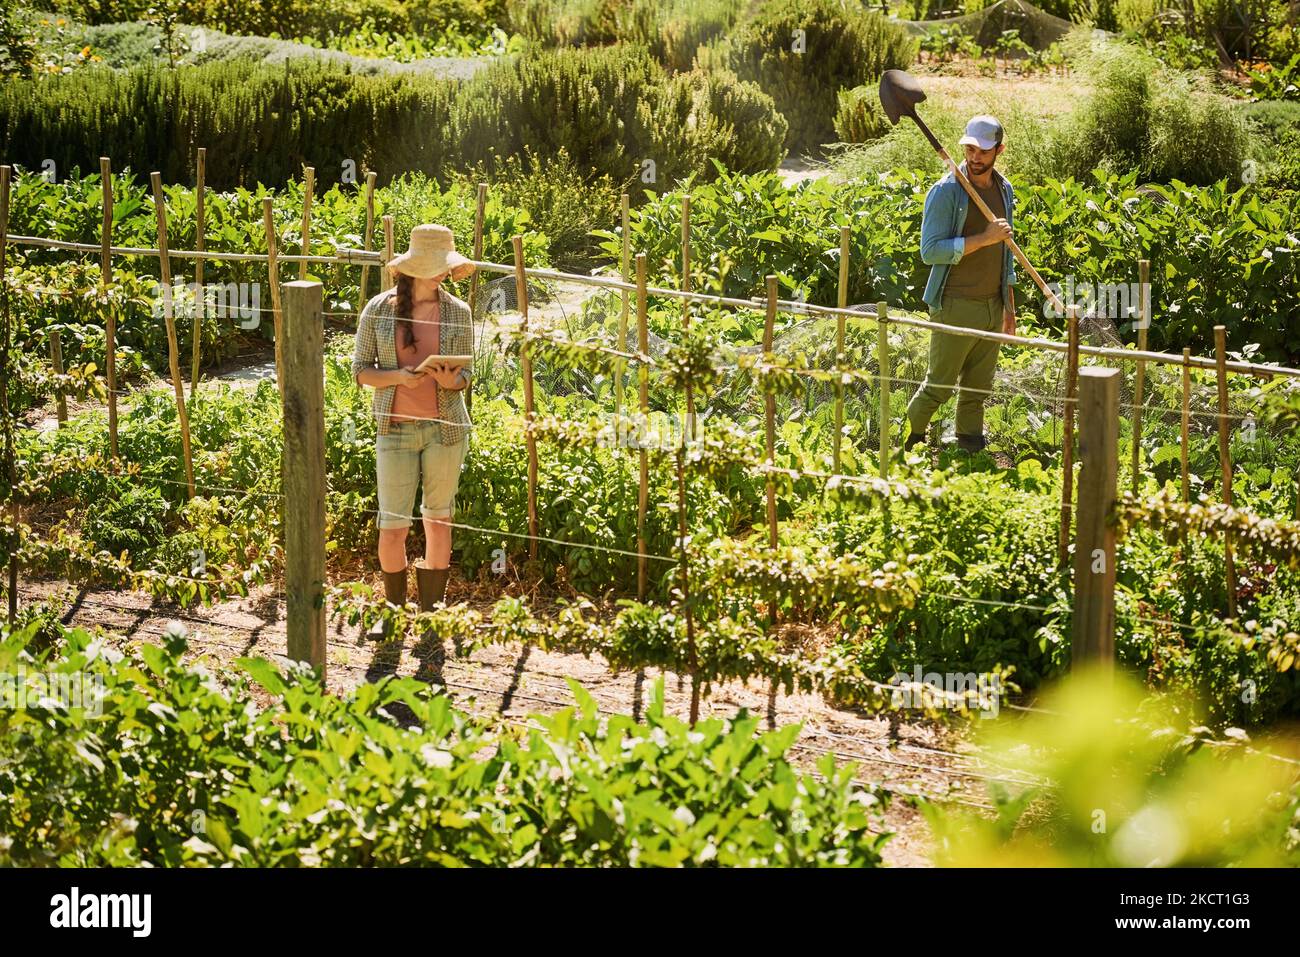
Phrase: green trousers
{"type": "Point", "coordinates": [957, 361]}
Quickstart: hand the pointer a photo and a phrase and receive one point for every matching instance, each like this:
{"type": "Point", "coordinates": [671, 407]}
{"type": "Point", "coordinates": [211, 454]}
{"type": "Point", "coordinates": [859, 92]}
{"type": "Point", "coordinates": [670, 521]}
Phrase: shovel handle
{"type": "Point", "coordinates": [988, 214]}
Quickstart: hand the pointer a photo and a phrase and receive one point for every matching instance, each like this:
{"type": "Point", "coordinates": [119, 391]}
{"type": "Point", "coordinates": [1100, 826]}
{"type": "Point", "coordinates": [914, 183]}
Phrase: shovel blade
{"type": "Point", "coordinates": [899, 94]}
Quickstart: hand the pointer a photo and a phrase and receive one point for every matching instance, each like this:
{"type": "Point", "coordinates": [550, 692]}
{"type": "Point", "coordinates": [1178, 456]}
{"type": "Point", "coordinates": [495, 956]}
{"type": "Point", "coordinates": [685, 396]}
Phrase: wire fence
{"type": "Point", "coordinates": [885, 319]}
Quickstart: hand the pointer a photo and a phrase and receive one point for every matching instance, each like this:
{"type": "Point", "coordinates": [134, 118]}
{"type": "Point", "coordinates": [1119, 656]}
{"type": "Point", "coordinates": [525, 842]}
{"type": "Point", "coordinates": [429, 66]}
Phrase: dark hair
{"type": "Point", "coordinates": [402, 291]}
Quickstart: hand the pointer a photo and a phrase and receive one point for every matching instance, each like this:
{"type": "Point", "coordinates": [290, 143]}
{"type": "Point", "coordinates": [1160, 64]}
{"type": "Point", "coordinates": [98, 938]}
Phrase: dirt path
{"type": "Point", "coordinates": [921, 758]}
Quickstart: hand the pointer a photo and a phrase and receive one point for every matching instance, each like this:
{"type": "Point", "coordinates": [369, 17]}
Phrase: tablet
{"type": "Point", "coordinates": [454, 362]}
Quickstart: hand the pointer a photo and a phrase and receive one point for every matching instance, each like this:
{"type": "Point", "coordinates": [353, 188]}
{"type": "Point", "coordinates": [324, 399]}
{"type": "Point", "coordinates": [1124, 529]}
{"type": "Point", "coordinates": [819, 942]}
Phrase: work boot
{"type": "Point", "coordinates": [395, 594]}
{"type": "Point", "coordinates": [972, 443]}
{"type": "Point", "coordinates": [432, 583]}
{"type": "Point", "coordinates": [913, 438]}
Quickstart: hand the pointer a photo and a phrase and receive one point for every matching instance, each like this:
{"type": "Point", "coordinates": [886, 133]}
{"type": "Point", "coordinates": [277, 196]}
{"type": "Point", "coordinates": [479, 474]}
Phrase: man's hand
{"type": "Point", "coordinates": [999, 230]}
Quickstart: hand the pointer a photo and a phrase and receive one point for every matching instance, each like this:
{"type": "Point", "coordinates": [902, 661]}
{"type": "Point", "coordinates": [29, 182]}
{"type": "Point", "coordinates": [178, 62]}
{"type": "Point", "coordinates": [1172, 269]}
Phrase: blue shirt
{"type": "Point", "coordinates": [942, 244]}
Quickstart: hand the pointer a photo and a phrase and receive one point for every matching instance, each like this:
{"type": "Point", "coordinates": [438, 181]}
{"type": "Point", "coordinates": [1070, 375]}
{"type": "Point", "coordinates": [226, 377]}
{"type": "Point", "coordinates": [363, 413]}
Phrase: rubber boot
{"type": "Point", "coordinates": [913, 438]}
{"type": "Point", "coordinates": [432, 583]}
{"type": "Point", "coordinates": [972, 443]}
{"type": "Point", "coordinates": [395, 594]}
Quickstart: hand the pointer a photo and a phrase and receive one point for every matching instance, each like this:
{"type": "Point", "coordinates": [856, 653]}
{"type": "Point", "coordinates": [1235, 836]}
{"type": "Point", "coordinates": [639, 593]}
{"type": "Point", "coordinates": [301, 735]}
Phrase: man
{"type": "Point", "coordinates": [971, 278]}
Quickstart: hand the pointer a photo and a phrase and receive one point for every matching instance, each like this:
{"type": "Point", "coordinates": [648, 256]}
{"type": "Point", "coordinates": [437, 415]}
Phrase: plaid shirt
{"type": "Point", "coordinates": [377, 348]}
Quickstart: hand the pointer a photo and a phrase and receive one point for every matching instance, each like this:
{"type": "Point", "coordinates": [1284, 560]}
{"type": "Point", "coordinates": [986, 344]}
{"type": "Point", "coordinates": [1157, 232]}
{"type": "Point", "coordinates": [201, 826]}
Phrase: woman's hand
{"type": "Point", "coordinates": [409, 378]}
{"type": "Point", "coordinates": [448, 377]}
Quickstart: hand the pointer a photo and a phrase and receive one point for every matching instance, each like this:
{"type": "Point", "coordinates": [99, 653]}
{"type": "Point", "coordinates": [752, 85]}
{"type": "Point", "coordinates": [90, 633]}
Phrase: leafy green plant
{"type": "Point", "coordinates": [1276, 83]}
{"type": "Point", "coordinates": [174, 768]}
{"type": "Point", "coordinates": [129, 518]}
{"type": "Point", "coordinates": [944, 44]}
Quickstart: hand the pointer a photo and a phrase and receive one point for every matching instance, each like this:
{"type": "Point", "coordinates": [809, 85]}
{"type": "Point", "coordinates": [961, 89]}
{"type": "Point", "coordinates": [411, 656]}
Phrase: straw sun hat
{"type": "Point", "coordinates": [432, 253]}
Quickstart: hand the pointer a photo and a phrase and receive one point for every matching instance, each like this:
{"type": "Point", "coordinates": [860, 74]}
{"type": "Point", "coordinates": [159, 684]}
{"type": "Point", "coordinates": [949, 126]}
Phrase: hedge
{"type": "Point", "coordinates": [610, 109]}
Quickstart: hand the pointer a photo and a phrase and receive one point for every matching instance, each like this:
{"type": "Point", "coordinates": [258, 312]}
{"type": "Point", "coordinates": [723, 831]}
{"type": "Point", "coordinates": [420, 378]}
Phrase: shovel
{"type": "Point", "coordinates": [899, 94]}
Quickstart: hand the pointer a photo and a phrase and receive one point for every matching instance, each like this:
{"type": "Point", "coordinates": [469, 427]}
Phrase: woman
{"type": "Point", "coordinates": [421, 423]}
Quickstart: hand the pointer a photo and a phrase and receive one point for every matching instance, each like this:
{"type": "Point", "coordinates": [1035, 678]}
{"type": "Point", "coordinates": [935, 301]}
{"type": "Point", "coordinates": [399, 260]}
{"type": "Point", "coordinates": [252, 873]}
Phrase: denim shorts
{"type": "Point", "coordinates": [412, 454]}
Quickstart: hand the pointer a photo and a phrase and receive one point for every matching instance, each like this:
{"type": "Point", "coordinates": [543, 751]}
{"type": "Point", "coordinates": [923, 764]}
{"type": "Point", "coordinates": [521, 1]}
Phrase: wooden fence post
{"type": "Point", "coordinates": [769, 413]}
{"type": "Point", "coordinates": [841, 302]}
{"type": "Point", "coordinates": [526, 364]}
{"type": "Point", "coordinates": [1225, 460]}
{"type": "Point", "coordinates": [56, 360]}
{"type": "Point", "coordinates": [1139, 381]}
{"type": "Point", "coordinates": [1067, 446]}
{"type": "Point", "coordinates": [686, 259]}
{"type": "Point", "coordinates": [624, 264]}
{"type": "Point", "coordinates": [684, 581]}
{"type": "Point", "coordinates": [643, 378]}
{"type": "Point", "coordinates": [200, 297]}
{"type": "Point", "coordinates": [304, 472]}
{"type": "Point", "coordinates": [1186, 423]}
{"type": "Point", "coordinates": [686, 303]}
{"type": "Point", "coordinates": [385, 274]}
{"type": "Point", "coordinates": [173, 348]}
{"type": "Point", "coordinates": [1093, 633]}
{"type": "Point", "coordinates": [110, 315]}
{"type": "Point", "coordinates": [479, 207]}
{"type": "Point", "coordinates": [273, 276]}
{"type": "Point", "coordinates": [308, 189]}
{"type": "Point", "coordinates": [882, 358]}
{"type": "Point", "coordinates": [8, 425]}
{"type": "Point", "coordinates": [367, 240]}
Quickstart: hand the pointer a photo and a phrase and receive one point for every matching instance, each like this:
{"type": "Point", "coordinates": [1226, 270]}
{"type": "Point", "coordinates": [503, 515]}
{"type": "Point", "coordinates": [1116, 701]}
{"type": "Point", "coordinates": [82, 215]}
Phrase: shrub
{"type": "Point", "coordinates": [673, 31]}
{"type": "Point", "coordinates": [588, 101]}
{"type": "Point", "coordinates": [709, 117]}
{"type": "Point", "coordinates": [841, 47]}
{"type": "Point", "coordinates": [1142, 116]}
{"type": "Point", "coordinates": [859, 117]}
{"type": "Point", "coordinates": [613, 109]}
{"type": "Point", "coordinates": [559, 200]}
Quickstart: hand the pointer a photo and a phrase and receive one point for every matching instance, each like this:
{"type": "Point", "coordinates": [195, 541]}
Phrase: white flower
{"type": "Point", "coordinates": [620, 818]}
{"type": "Point", "coordinates": [695, 737]}
{"type": "Point", "coordinates": [684, 815]}
{"type": "Point", "coordinates": [660, 737]}
{"type": "Point", "coordinates": [707, 853]}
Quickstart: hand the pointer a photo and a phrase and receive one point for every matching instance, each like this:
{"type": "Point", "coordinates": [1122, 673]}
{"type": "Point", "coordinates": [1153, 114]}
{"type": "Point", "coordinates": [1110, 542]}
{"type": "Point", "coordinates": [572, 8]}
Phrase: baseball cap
{"type": "Point", "coordinates": [982, 131]}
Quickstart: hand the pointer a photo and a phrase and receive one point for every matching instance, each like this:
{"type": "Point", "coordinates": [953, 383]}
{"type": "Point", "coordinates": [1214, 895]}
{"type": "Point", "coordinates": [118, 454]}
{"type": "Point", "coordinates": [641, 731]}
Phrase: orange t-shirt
{"type": "Point", "coordinates": [420, 402]}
